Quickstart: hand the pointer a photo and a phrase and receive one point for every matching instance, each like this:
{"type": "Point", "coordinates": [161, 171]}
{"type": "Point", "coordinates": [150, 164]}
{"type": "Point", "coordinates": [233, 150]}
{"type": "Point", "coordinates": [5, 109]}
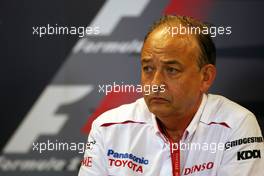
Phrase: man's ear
{"type": "Point", "coordinates": [208, 72]}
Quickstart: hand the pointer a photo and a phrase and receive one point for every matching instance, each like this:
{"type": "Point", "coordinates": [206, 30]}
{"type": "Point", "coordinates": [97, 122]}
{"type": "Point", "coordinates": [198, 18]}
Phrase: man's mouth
{"type": "Point", "coordinates": [158, 100]}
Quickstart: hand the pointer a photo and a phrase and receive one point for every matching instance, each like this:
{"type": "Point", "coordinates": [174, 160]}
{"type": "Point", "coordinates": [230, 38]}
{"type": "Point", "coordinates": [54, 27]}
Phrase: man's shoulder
{"type": "Point", "coordinates": [222, 109]}
{"type": "Point", "coordinates": [133, 112]}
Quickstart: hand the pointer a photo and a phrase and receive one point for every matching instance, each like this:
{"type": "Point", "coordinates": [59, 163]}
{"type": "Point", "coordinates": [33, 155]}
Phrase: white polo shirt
{"type": "Point", "coordinates": [223, 139]}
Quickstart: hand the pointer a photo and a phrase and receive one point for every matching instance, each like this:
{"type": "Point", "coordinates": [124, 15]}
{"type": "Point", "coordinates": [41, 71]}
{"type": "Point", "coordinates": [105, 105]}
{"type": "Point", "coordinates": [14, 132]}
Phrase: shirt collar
{"type": "Point", "coordinates": [191, 127]}
{"type": "Point", "coordinates": [196, 119]}
{"type": "Point", "coordinates": [156, 127]}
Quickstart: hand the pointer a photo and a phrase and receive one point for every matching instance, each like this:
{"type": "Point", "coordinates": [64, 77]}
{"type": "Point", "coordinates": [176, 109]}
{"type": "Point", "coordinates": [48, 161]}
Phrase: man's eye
{"type": "Point", "coordinates": [147, 69]}
{"type": "Point", "coordinates": [171, 70]}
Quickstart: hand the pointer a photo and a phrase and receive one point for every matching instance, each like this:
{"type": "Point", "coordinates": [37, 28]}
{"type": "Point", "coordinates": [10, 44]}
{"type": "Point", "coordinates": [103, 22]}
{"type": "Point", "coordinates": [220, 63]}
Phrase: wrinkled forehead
{"type": "Point", "coordinates": [161, 42]}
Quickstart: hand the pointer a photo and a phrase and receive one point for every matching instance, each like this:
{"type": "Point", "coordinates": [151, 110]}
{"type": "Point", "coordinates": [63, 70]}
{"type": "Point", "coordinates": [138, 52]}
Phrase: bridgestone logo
{"type": "Point", "coordinates": [248, 154]}
{"type": "Point", "coordinates": [241, 141]}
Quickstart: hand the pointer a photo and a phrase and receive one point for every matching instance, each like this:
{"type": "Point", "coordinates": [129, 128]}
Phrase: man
{"type": "Point", "coordinates": [146, 137]}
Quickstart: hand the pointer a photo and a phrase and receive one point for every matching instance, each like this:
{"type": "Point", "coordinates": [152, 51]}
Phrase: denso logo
{"type": "Point", "coordinates": [248, 154]}
{"type": "Point", "coordinates": [198, 168]}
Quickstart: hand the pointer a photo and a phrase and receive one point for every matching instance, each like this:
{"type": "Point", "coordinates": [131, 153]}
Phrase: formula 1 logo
{"type": "Point", "coordinates": [42, 119]}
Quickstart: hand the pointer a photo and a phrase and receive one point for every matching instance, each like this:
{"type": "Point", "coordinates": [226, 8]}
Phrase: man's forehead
{"type": "Point", "coordinates": [168, 49]}
{"type": "Point", "coordinates": [163, 44]}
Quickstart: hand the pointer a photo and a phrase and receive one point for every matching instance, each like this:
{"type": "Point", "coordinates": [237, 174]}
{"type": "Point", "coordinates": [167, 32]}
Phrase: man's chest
{"type": "Point", "coordinates": [142, 152]}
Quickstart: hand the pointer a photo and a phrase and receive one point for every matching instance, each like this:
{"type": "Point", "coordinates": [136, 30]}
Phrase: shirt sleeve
{"type": "Point", "coordinates": [94, 162]}
{"type": "Point", "coordinates": [243, 155]}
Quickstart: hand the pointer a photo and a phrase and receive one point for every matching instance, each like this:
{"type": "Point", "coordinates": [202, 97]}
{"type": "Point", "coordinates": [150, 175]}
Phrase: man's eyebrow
{"type": "Point", "coordinates": [167, 62]}
{"type": "Point", "coordinates": [145, 60]}
{"type": "Point", "coordinates": [171, 62]}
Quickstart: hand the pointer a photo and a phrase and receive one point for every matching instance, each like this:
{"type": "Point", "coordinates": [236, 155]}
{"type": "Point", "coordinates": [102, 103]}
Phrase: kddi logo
{"type": "Point", "coordinates": [248, 154]}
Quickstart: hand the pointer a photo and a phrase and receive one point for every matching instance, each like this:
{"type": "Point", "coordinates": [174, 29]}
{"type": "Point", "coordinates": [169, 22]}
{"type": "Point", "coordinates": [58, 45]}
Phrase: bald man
{"type": "Point", "coordinates": [181, 130]}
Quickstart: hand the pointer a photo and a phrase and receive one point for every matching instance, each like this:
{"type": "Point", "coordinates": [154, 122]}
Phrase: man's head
{"type": "Point", "coordinates": [183, 63]}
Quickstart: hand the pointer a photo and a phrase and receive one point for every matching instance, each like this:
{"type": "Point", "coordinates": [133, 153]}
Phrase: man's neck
{"type": "Point", "coordinates": [175, 125]}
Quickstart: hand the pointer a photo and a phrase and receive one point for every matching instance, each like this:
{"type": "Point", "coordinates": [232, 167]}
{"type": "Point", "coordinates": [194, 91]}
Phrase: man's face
{"type": "Point", "coordinates": [172, 62]}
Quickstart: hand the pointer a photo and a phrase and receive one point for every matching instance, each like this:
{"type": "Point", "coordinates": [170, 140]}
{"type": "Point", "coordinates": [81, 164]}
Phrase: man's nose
{"type": "Point", "coordinates": [158, 78]}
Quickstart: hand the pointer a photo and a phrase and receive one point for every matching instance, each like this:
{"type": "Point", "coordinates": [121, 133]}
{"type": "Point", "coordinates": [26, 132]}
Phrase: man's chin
{"type": "Point", "coordinates": [159, 110]}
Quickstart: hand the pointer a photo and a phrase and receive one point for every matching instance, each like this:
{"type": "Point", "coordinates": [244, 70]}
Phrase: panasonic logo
{"type": "Point", "coordinates": [130, 156]}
